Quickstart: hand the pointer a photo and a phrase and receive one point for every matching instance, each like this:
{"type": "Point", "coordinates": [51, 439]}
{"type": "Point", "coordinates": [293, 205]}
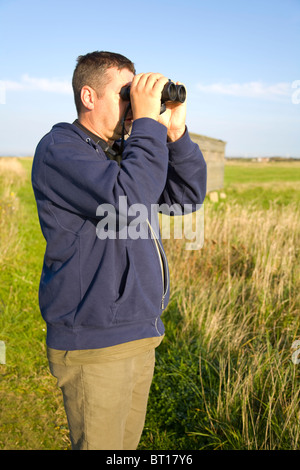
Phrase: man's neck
{"type": "Point", "coordinates": [95, 137]}
{"type": "Point", "coordinates": [113, 152]}
{"type": "Point", "coordinates": [89, 124]}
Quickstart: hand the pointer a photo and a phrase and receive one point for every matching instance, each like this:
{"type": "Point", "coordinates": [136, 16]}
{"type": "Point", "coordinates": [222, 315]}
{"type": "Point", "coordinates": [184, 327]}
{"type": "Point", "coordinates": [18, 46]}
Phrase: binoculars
{"type": "Point", "coordinates": [171, 92]}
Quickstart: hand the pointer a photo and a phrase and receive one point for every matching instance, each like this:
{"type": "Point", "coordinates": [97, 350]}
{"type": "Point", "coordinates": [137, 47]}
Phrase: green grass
{"type": "Point", "coordinates": [224, 377]}
{"type": "Point", "coordinates": [263, 184]}
{"type": "Point", "coordinates": [30, 415]}
{"type": "Point", "coordinates": [275, 172]}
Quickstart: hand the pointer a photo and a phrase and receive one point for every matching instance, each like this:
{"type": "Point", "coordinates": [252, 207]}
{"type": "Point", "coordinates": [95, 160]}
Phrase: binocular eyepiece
{"type": "Point", "coordinates": [171, 92]}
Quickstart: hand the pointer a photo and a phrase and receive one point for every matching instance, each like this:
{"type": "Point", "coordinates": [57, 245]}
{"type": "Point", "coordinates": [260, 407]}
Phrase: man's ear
{"type": "Point", "coordinates": [88, 96]}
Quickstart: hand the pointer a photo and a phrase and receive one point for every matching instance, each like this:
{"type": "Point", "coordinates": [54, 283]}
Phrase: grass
{"type": "Point", "coordinates": [224, 376]}
{"type": "Point", "coordinates": [31, 416]}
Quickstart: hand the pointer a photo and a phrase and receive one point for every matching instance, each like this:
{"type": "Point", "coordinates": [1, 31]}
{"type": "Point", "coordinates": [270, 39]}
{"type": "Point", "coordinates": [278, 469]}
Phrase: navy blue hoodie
{"type": "Point", "coordinates": [94, 291]}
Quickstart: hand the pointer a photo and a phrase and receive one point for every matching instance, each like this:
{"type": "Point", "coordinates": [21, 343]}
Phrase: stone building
{"type": "Point", "coordinates": [214, 154]}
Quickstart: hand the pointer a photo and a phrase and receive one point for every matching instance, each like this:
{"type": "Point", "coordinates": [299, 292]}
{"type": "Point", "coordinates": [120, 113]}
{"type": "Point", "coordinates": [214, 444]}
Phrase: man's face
{"type": "Point", "coordinates": [110, 108]}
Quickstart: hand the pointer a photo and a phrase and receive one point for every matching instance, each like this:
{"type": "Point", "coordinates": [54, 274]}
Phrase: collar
{"type": "Point", "coordinates": [112, 152]}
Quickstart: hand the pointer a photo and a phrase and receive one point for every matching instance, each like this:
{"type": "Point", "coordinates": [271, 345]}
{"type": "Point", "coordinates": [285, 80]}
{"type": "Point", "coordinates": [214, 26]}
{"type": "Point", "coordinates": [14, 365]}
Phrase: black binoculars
{"type": "Point", "coordinates": [171, 92]}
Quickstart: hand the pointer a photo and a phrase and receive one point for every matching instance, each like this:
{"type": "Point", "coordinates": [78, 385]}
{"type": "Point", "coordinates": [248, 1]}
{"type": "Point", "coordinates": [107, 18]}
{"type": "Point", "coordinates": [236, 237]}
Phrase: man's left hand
{"type": "Point", "coordinates": [174, 119]}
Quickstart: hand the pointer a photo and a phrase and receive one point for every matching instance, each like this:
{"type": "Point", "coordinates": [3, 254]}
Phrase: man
{"type": "Point", "coordinates": [102, 296]}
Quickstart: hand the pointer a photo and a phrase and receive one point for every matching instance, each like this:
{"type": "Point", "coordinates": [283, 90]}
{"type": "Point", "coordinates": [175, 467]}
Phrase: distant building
{"type": "Point", "coordinates": [262, 159]}
{"type": "Point", "coordinates": [214, 154]}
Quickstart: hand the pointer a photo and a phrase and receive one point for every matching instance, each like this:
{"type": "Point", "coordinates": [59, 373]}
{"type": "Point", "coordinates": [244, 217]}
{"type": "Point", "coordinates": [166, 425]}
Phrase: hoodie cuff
{"type": "Point", "coordinates": [182, 147]}
{"type": "Point", "coordinates": [149, 128]}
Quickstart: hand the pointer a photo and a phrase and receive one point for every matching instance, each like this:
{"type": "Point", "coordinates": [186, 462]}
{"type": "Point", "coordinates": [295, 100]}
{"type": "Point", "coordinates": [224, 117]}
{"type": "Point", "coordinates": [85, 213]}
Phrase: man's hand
{"type": "Point", "coordinates": [145, 95]}
{"type": "Point", "coordinates": [174, 119]}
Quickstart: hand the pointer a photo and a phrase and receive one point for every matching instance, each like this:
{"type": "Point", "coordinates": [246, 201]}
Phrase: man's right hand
{"type": "Point", "coordinates": [145, 95]}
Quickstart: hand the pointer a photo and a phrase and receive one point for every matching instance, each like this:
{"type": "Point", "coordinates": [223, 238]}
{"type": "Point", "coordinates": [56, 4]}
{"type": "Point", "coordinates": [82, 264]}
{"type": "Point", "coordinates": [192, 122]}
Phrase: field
{"type": "Point", "coordinates": [225, 374]}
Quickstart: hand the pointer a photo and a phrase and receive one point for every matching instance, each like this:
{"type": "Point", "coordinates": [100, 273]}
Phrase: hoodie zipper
{"type": "Point", "coordinates": [163, 264]}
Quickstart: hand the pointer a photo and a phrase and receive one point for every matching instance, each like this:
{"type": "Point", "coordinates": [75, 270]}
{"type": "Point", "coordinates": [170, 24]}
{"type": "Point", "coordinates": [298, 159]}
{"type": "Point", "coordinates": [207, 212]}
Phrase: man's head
{"type": "Point", "coordinates": [91, 70]}
{"type": "Point", "coordinates": [97, 81]}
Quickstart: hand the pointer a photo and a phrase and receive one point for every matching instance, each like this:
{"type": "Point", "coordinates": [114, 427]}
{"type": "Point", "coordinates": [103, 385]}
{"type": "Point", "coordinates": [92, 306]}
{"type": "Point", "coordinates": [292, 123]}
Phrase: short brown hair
{"type": "Point", "coordinates": [91, 70]}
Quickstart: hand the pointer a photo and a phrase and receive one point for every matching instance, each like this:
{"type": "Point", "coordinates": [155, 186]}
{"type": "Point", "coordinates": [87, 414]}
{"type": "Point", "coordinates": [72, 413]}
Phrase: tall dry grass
{"type": "Point", "coordinates": [12, 176]}
{"type": "Point", "coordinates": [239, 296]}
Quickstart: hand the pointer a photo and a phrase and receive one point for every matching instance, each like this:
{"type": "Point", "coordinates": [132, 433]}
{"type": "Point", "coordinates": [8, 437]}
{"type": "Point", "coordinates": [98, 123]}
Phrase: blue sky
{"type": "Point", "coordinates": [238, 59]}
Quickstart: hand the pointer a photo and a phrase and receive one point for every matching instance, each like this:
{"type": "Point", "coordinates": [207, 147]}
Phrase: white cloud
{"type": "Point", "coordinates": [43, 84]}
{"type": "Point", "coordinates": [249, 90]}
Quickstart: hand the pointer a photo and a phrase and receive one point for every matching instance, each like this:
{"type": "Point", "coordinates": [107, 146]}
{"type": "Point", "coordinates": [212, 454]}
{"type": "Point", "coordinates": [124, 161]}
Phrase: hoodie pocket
{"type": "Point", "coordinates": [144, 284]}
{"type": "Point", "coordinates": [163, 265]}
{"type": "Point", "coordinates": [125, 285]}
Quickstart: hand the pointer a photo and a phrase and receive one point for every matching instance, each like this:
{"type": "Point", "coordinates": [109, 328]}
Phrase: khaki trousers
{"type": "Point", "coordinates": [106, 403]}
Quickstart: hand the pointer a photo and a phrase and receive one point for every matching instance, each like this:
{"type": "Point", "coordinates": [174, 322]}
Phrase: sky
{"type": "Point", "coordinates": [238, 59]}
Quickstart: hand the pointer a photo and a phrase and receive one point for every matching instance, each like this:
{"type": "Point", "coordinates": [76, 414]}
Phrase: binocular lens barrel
{"type": "Point", "coordinates": [171, 92]}
{"type": "Point", "coordinates": [181, 93]}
